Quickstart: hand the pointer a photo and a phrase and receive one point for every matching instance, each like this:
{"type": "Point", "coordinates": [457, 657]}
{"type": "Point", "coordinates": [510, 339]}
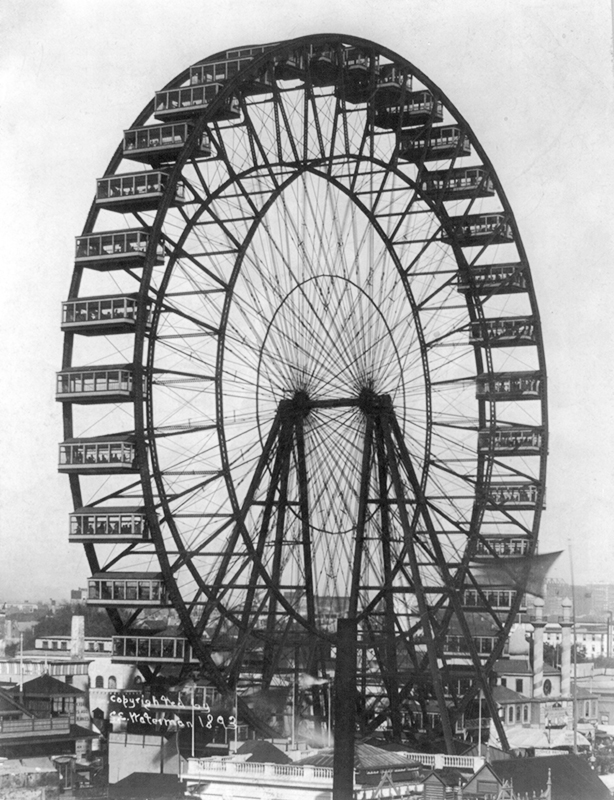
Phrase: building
{"type": "Point", "coordinates": [535, 700]}
{"type": "Point", "coordinates": [29, 728]}
{"type": "Point", "coordinates": [309, 778]}
{"type": "Point", "coordinates": [592, 635]}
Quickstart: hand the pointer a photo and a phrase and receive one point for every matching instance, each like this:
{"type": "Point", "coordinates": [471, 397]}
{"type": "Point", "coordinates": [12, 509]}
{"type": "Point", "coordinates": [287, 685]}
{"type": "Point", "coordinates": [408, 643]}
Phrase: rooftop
{"type": "Point", "coordinates": [47, 686]}
{"type": "Point", "coordinates": [512, 666]}
{"type": "Point", "coordinates": [504, 695]}
{"type": "Point", "coordinates": [572, 777]}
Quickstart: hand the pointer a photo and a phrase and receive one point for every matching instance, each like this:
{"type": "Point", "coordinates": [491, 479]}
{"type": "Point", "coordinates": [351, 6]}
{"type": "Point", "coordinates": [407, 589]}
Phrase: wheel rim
{"type": "Point", "coordinates": [314, 264]}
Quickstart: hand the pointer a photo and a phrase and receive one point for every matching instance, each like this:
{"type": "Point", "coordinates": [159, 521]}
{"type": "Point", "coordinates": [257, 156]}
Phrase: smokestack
{"type": "Point", "coordinates": [77, 637]}
{"type": "Point", "coordinates": [538, 648]}
{"type": "Point", "coordinates": [566, 648]}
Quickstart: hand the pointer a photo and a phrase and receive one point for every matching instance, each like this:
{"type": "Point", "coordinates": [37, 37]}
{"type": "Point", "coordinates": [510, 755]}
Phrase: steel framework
{"type": "Point", "coordinates": [333, 398]}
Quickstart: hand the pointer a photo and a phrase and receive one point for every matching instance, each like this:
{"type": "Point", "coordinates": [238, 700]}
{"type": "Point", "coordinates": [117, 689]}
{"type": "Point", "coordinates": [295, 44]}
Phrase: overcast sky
{"type": "Point", "coordinates": [534, 79]}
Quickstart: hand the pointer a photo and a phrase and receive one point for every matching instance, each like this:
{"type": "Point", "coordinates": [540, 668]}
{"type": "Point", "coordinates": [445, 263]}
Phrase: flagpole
{"type": "Point", "coordinates": [193, 718]}
{"type": "Point", "coordinates": [575, 653]}
{"type": "Point", "coordinates": [236, 718]}
{"type": "Point", "coordinates": [293, 711]}
{"type": "Point", "coordinates": [480, 722]}
{"type": "Point", "coordinates": [330, 712]}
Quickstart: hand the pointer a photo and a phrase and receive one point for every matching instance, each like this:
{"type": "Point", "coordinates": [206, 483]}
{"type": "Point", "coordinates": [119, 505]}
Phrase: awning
{"type": "Point", "coordinates": [540, 739]}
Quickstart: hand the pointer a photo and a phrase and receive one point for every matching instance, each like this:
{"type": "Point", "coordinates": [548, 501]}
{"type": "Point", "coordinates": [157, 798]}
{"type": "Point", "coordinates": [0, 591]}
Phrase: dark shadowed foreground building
{"type": "Point", "coordinates": [572, 777]}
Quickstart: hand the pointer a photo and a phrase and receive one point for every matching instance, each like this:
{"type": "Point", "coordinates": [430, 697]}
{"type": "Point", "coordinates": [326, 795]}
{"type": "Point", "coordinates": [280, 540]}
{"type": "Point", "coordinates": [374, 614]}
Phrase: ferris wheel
{"type": "Point", "coordinates": [303, 379]}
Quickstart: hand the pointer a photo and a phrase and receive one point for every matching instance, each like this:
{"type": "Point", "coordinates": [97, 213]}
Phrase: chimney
{"type": "Point", "coordinates": [566, 648]}
{"type": "Point", "coordinates": [77, 637]}
{"type": "Point", "coordinates": [538, 648]}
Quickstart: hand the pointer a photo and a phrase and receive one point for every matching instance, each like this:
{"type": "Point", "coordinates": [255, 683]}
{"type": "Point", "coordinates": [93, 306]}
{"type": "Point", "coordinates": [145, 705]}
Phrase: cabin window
{"type": "Point", "coordinates": [131, 590]}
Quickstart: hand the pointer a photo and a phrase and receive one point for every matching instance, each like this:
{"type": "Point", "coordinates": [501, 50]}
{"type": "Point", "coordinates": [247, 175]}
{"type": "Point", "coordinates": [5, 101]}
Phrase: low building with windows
{"type": "Point", "coordinates": [535, 700]}
{"type": "Point", "coordinates": [92, 644]}
{"type": "Point", "coordinates": [591, 635]}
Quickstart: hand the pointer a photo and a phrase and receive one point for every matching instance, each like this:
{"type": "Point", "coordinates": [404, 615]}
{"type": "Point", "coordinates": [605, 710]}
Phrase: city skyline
{"type": "Point", "coordinates": [540, 102]}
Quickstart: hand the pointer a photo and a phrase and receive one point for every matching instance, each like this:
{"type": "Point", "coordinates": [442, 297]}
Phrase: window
{"type": "Point", "coordinates": [525, 713]}
{"type": "Point", "coordinates": [99, 682]}
{"type": "Point", "coordinates": [112, 682]}
{"type": "Point", "coordinates": [519, 685]}
{"type": "Point", "coordinates": [510, 714]}
{"type": "Point", "coordinates": [68, 680]}
{"type": "Point", "coordinates": [503, 681]}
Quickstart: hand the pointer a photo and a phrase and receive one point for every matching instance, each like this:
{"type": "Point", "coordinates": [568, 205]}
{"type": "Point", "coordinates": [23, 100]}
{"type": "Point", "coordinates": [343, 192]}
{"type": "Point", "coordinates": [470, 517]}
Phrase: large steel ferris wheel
{"type": "Point", "coordinates": [303, 379]}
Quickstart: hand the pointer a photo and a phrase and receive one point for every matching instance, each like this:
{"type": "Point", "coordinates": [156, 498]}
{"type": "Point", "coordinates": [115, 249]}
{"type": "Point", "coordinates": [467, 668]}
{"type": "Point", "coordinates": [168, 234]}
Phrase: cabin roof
{"type": "Point", "coordinates": [98, 368]}
{"type": "Point", "coordinates": [103, 510]}
{"type": "Point", "coordinates": [130, 576]}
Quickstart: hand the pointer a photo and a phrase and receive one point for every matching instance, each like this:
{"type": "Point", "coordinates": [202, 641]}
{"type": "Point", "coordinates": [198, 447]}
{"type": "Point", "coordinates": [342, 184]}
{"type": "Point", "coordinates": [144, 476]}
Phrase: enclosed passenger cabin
{"type": "Point", "coordinates": [180, 104]}
{"type": "Point", "coordinates": [161, 144]}
{"type": "Point", "coordinates": [100, 316]}
{"type": "Point", "coordinates": [390, 83]}
{"type": "Point", "coordinates": [126, 589]}
{"type": "Point", "coordinates": [418, 108]}
{"type": "Point", "coordinates": [115, 249]}
{"type": "Point", "coordinates": [495, 599]}
{"type": "Point", "coordinates": [156, 649]}
{"type": "Point", "coordinates": [324, 69]}
{"type": "Point", "coordinates": [503, 546]}
{"type": "Point", "coordinates": [511, 441]}
{"type": "Point", "coordinates": [505, 386]}
{"type": "Point", "coordinates": [136, 191]}
{"type": "Point", "coordinates": [494, 279]}
{"type": "Point", "coordinates": [504, 332]}
{"type": "Point", "coordinates": [236, 60]}
{"type": "Point", "coordinates": [355, 82]}
{"type": "Point", "coordinates": [110, 524]}
{"type": "Point", "coordinates": [291, 67]}
{"type": "Point", "coordinates": [99, 455]}
{"type": "Point", "coordinates": [108, 384]}
{"type": "Point", "coordinates": [517, 495]}
{"type": "Point", "coordinates": [459, 183]}
{"type": "Point", "coordinates": [432, 144]}
{"type": "Point", "coordinates": [473, 230]}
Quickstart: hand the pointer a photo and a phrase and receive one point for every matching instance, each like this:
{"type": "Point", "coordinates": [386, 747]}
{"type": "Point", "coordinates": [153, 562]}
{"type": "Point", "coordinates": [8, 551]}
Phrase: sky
{"type": "Point", "coordinates": [534, 78]}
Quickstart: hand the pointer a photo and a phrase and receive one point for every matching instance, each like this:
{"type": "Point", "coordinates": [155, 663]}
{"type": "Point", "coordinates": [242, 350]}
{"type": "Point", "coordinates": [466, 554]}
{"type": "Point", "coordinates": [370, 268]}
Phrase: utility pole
{"type": "Point", "coordinates": [344, 710]}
